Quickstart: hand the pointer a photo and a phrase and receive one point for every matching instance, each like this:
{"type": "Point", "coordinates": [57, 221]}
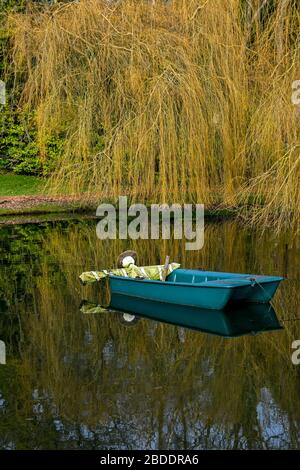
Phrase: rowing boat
{"type": "Point", "coordinates": [193, 288]}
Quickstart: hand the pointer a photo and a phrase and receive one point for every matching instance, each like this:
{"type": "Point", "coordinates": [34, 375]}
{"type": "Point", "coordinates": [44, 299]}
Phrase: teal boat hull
{"type": "Point", "coordinates": [195, 288]}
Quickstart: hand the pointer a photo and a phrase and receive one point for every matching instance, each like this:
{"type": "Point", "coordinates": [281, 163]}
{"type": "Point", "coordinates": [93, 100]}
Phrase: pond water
{"type": "Point", "coordinates": [81, 380]}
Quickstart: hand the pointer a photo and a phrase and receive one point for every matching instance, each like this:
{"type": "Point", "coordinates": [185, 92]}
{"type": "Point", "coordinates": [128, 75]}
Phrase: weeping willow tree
{"type": "Point", "coordinates": [167, 101]}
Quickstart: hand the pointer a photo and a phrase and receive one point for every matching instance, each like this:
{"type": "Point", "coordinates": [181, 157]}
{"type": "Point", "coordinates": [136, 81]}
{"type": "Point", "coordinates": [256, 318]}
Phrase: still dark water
{"type": "Point", "coordinates": [75, 380]}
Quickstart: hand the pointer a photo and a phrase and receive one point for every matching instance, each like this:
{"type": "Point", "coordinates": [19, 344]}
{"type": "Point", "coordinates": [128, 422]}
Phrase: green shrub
{"type": "Point", "coordinates": [19, 151]}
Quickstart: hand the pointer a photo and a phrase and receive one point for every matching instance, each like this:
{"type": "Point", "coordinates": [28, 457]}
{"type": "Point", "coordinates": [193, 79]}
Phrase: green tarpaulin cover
{"type": "Point", "coordinates": [149, 272]}
{"type": "Point", "coordinates": [89, 307]}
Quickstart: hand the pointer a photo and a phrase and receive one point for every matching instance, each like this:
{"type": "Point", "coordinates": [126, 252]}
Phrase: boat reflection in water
{"type": "Point", "coordinates": [238, 320]}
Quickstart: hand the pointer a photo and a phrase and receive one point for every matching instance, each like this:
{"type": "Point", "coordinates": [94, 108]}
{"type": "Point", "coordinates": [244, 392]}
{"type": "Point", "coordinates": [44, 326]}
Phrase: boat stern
{"type": "Point", "coordinates": [263, 288]}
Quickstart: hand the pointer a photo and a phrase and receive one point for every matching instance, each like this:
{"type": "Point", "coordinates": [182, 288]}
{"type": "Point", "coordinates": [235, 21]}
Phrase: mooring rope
{"type": "Point", "coordinates": [272, 304]}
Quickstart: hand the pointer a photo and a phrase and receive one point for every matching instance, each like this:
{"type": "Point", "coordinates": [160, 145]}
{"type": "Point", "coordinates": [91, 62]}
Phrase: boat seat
{"type": "Point", "coordinates": [190, 278]}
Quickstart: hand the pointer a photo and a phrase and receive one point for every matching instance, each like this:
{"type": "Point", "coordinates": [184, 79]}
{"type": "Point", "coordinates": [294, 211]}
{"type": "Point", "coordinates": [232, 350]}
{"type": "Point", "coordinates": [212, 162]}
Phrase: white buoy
{"type": "Point", "coordinates": [127, 261]}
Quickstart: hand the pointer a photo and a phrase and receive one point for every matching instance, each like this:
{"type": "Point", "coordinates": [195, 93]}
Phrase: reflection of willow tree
{"type": "Point", "coordinates": [20, 259]}
{"type": "Point", "coordinates": [147, 383]}
{"type": "Point", "coordinates": [153, 385]}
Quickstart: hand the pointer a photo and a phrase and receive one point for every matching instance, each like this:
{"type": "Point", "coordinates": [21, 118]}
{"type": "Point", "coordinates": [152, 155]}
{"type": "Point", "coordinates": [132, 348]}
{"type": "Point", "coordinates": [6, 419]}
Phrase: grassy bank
{"type": "Point", "coordinates": [20, 195]}
{"type": "Point", "coordinates": [25, 196]}
{"type": "Point", "coordinates": [49, 209]}
{"type": "Point", "coordinates": [168, 102]}
{"type": "Point", "coordinates": [20, 185]}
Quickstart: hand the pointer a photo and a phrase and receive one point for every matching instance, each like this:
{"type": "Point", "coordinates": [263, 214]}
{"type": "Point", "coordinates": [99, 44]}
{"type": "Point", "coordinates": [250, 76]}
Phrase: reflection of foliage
{"type": "Point", "coordinates": [19, 254]}
{"type": "Point", "coordinates": [9, 331]}
{"type": "Point", "coordinates": [19, 424]}
{"type": "Point", "coordinates": [88, 381]}
{"type": "Point", "coordinates": [20, 260]}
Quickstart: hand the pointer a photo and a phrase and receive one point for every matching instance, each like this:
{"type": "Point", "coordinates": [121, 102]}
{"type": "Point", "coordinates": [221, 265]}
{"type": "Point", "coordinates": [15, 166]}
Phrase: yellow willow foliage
{"type": "Point", "coordinates": [168, 101]}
